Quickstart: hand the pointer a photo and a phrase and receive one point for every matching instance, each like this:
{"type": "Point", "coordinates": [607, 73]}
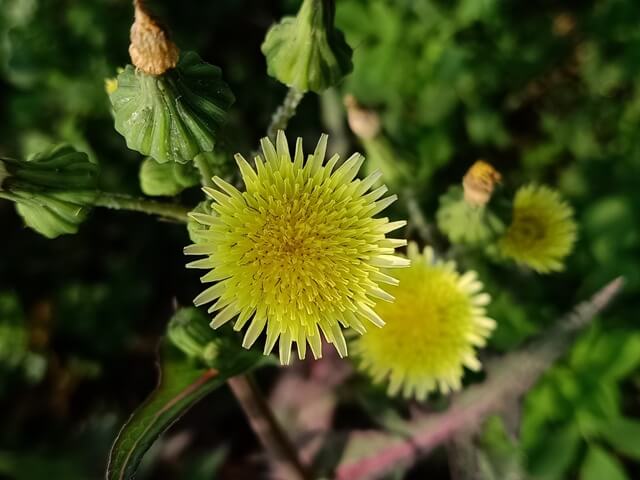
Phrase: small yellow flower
{"type": "Point", "coordinates": [432, 330]}
{"type": "Point", "coordinates": [542, 230]}
{"type": "Point", "coordinates": [299, 251]}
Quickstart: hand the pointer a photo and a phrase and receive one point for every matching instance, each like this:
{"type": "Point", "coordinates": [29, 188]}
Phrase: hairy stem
{"type": "Point", "coordinates": [118, 201]}
{"type": "Point", "coordinates": [418, 220]}
{"type": "Point", "coordinates": [508, 378]}
{"type": "Point", "coordinates": [285, 112]}
{"type": "Point", "coordinates": [266, 427]}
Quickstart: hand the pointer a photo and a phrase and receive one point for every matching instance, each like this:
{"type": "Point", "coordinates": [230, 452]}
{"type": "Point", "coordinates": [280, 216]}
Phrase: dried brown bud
{"type": "Point", "coordinates": [563, 24]}
{"type": "Point", "coordinates": [151, 49]}
{"type": "Point", "coordinates": [363, 122]}
{"type": "Point", "coordinates": [479, 182]}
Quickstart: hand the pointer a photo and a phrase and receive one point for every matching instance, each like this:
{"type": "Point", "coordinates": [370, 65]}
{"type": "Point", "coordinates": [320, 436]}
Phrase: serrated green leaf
{"type": "Point", "coordinates": [600, 465]}
{"type": "Point", "coordinates": [183, 381]}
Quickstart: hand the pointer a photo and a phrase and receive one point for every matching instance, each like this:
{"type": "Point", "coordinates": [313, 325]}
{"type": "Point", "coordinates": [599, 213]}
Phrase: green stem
{"type": "Point", "coordinates": [417, 218]}
{"type": "Point", "coordinates": [118, 201]}
{"type": "Point", "coordinates": [285, 112]}
{"type": "Point", "coordinates": [206, 174]}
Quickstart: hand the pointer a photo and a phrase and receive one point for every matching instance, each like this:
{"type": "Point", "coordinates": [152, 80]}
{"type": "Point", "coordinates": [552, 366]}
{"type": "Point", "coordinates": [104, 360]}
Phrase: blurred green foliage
{"type": "Point", "coordinates": [546, 92]}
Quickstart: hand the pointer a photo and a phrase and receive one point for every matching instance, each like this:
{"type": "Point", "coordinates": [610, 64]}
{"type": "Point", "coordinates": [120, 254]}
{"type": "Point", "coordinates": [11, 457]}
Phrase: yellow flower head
{"type": "Point", "coordinates": [299, 251]}
{"type": "Point", "coordinates": [432, 330]}
{"type": "Point", "coordinates": [542, 230]}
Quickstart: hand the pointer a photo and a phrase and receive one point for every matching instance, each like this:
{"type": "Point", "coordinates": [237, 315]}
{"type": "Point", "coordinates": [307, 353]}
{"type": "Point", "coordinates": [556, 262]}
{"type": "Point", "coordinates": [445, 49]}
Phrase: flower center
{"type": "Point", "coordinates": [424, 332]}
{"type": "Point", "coordinates": [302, 256]}
{"type": "Point", "coordinates": [527, 229]}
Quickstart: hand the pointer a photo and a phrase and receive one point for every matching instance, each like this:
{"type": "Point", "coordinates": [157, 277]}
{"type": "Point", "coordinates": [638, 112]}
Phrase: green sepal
{"type": "Point", "coordinates": [466, 224]}
{"type": "Point", "coordinates": [307, 52]}
{"type": "Point", "coordinates": [219, 163]}
{"type": "Point", "coordinates": [53, 190]}
{"type": "Point", "coordinates": [197, 230]}
{"type": "Point", "coordinates": [157, 179]}
{"type": "Point", "coordinates": [190, 332]}
{"type": "Point", "coordinates": [175, 116]}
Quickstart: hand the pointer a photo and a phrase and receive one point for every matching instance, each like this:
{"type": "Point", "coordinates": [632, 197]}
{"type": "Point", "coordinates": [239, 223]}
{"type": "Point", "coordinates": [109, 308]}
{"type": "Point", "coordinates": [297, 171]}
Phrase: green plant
{"type": "Point", "coordinates": [294, 244]}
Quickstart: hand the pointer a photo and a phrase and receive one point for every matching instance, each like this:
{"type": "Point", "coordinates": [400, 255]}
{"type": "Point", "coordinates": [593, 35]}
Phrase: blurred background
{"type": "Point", "coordinates": [546, 91]}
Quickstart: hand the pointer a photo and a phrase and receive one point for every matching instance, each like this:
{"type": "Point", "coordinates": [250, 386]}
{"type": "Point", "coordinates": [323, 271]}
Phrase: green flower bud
{"type": "Point", "coordinates": [190, 332]}
{"type": "Point", "coordinates": [465, 223]}
{"type": "Point", "coordinates": [307, 52]}
{"type": "Point", "coordinates": [174, 116]}
{"type": "Point", "coordinates": [219, 163]}
{"type": "Point", "coordinates": [53, 190]}
{"type": "Point", "coordinates": [157, 179]}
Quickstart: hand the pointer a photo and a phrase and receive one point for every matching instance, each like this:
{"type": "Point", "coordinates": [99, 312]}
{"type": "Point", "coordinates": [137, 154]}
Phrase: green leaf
{"type": "Point", "coordinates": [600, 465]}
{"type": "Point", "coordinates": [623, 434]}
{"type": "Point", "coordinates": [553, 458]}
{"type": "Point", "coordinates": [184, 380]}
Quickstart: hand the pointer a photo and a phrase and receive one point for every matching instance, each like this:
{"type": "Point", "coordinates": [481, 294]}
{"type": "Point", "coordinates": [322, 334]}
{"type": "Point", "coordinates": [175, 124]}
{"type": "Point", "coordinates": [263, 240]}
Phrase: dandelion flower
{"type": "Point", "coordinates": [299, 252]}
{"type": "Point", "coordinates": [433, 329]}
{"type": "Point", "coordinates": [542, 230]}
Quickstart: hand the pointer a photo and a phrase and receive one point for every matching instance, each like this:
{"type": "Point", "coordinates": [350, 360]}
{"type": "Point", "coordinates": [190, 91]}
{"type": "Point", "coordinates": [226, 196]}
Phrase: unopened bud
{"type": "Point", "coordinates": [151, 49]}
{"type": "Point", "coordinates": [189, 331]}
{"type": "Point", "coordinates": [157, 179]}
{"type": "Point", "coordinates": [479, 183]}
{"type": "Point", "coordinates": [175, 116]}
{"type": "Point", "coordinates": [307, 52]}
{"type": "Point", "coordinates": [363, 122]}
{"type": "Point", "coordinates": [53, 190]}
{"type": "Point", "coordinates": [563, 24]}
{"type": "Point", "coordinates": [464, 223]}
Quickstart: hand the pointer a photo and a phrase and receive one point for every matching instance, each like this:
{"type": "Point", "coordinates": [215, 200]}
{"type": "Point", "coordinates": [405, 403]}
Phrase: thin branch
{"type": "Point", "coordinates": [418, 220]}
{"type": "Point", "coordinates": [285, 112]}
{"type": "Point", "coordinates": [508, 379]}
{"type": "Point", "coordinates": [266, 427]}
